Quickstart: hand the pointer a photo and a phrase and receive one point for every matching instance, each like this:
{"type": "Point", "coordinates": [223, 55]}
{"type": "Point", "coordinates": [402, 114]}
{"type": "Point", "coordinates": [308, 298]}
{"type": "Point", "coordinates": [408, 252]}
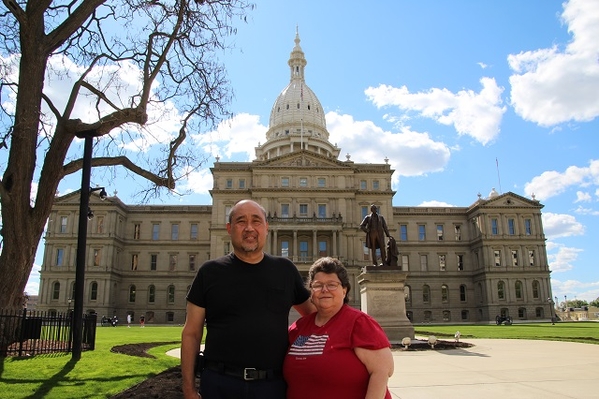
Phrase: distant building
{"type": "Point", "coordinates": [464, 264]}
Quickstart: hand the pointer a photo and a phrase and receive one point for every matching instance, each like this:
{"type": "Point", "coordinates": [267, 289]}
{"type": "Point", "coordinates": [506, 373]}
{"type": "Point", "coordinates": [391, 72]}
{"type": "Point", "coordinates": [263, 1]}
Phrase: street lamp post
{"type": "Point", "coordinates": [82, 241]}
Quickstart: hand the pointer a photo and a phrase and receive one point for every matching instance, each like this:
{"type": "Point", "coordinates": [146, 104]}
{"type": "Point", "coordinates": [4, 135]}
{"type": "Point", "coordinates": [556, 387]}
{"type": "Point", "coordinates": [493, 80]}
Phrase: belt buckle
{"type": "Point", "coordinates": [246, 373]}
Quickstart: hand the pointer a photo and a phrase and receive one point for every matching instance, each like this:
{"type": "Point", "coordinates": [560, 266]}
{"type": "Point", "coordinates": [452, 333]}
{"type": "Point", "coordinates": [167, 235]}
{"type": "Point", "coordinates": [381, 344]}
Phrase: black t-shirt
{"type": "Point", "coordinates": [247, 309]}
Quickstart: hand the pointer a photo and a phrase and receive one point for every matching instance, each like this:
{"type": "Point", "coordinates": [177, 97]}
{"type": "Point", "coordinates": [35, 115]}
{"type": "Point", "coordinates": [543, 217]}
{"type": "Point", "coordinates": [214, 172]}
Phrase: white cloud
{"type": "Point", "coordinates": [586, 211]}
{"type": "Point", "coordinates": [550, 86]}
{"type": "Point", "coordinates": [561, 225]}
{"type": "Point", "coordinates": [474, 114]}
{"type": "Point", "coordinates": [552, 183]}
{"type": "Point", "coordinates": [410, 153]}
{"type": "Point", "coordinates": [563, 260]}
{"type": "Point", "coordinates": [435, 203]}
{"type": "Point", "coordinates": [236, 136]}
{"type": "Point", "coordinates": [199, 182]}
{"type": "Point", "coordinates": [587, 291]}
{"type": "Point", "coordinates": [582, 196]}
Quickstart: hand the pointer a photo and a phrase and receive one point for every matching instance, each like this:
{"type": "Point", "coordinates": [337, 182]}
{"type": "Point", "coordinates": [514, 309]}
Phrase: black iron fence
{"type": "Point", "coordinates": [29, 333]}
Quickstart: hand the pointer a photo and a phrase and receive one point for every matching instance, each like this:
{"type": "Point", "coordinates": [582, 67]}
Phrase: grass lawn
{"type": "Point", "coordinates": [101, 373]}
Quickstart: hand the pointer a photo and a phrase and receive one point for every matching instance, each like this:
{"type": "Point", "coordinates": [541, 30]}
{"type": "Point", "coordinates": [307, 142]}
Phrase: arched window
{"type": "Point", "coordinates": [151, 294]}
{"type": "Point", "coordinates": [132, 293]}
{"type": "Point", "coordinates": [56, 290]}
{"type": "Point", "coordinates": [444, 294]}
{"type": "Point", "coordinates": [501, 290]}
{"type": "Point", "coordinates": [93, 291]}
{"type": "Point", "coordinates": [518, 287]}
{"type": "Point", "coordinates": [407, 291]}
{"type": "Point", "coordinates": [446, 315]}
{"type": "Point", "coordinates": [171, 294]}
{"type": "Point", "coordinates": [426, 294]}
{"type": "Point", "coordinates": [462, 293]}
{"type": "Point", "coordinates": [536, 289]}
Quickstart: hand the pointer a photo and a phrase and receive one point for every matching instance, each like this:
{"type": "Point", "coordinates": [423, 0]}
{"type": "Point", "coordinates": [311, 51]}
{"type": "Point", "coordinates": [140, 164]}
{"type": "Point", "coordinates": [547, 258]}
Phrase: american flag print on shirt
{"type": "Point", "coordinates": [312, 345]}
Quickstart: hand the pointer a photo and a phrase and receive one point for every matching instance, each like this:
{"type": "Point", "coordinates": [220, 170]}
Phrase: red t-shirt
{"type": "Point", "coordinates": [321, 361]}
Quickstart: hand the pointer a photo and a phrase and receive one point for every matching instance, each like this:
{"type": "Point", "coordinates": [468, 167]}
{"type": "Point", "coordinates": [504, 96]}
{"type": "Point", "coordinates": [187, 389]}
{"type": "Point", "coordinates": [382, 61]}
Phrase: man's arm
{"type": "Point", "coordinates": [305, 308]}
{"type": "Point", "coordinates": [191, 339]}
{"type": "Point", "coordinates": [364, 225]}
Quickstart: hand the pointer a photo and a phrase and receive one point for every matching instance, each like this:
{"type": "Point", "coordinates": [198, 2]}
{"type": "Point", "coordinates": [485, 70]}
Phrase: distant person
{"type": "Point", "coordinates": [142, 321]}
{"type": "Point", "coordinates": [375, 227]}
{"type": "Point", "coordinates": [243, 299]}
{"type": "Point", "coordinates": [339, 351]}
{"type": "Point", "coordinates": [129, 321]}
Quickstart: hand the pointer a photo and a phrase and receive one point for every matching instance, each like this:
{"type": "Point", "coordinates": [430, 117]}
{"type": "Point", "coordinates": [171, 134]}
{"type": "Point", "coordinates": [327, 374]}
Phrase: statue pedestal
{"type": "Point", "coordinates": [382, 296]}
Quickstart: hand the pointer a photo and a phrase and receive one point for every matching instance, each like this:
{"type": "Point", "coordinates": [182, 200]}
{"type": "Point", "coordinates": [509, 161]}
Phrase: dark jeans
{"type": "Point", "coordinates": [214, 385]}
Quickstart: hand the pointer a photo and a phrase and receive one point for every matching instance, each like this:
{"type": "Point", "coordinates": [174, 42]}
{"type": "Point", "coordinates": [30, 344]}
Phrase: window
{"type": "Point", "coordinates": [322, 248]}
{"type": "Point", "coordinates": [511, 227]}
{"type": "Point", "coordinates": [514, 258]}
{"type": "Point", "coordinates": [136, 231]}
{"type": "Point", "coordinates": [172, 262]}
{"type": "Point", "coordinates": [227, 248]}
{"type": "Point", "coordinates": [322, 211]}
{"type": "Point", "coordinates": [322, 182]}
{"type": "Point", "coordinates": [59, 256]}
{"type": "Point", "coordinates": [407, 291]}
{"type": "Point", "coordinates": [465, 315]}
{"type": "Point", "coordinates": [460, 260]}
{"type": "Point", "coordinates": [227, 213]}
{"type": "Point", "coordinates": [134, 260]}
{"type": "Point", "coordinates": [363, 185]}
{"type": "Point", "coordinates": [536, 289]}
{"type": "Point", "coordinates": [518, 287]}
{"type": "Point", "coordinates": [241, 183]}
{"type": "Point", "coordinates": [426, 294]}
{"type": "Point", "coordinates": [531, 257]}
{"type": "Point", "coordinates": [428, 315]}
{"type": "Point", "coordinates": [192, 262]}
{"type": "Point", "coordinates": [229, 183]}
{"type": "Point", "coordinates": [462, 293]}
{"type": "Point", "coordinates": [458, 232]}
{"type": "Point", "coordinates": [151, 294]}
{"type": "Point", "coordinates": [284, 182]}
{"type": "Point", "coordinates": [96, 257]}
{"type": "Point", "coordinates": [155, 231]}
{"type": "Point", "coordinates": [170, 317]}
{"type": "Point", "coordinates": [171, 294]}
{"type": "Point", "coordinates": [174, 232]}
{"type": "Point", "coordinates": [442, 263]}
{"type": "Point", "coordinates": [285, 249]}
{"type": "Point", "coordinates": [501, 290]}
{"type": "Point", "coordinates": [446, 315]}
{"type": "Point", "coordinates": [100, 225]}
{"type": "Point", "coordinates": [497, 257]}
{"type": "Point", "coordinates": [439, 232]}
{"type": "Point", "coordinates": [63, 224]}
{"type": "Point", "coordinates": [423, 263]}
{"type": "Point", "coordinates": [132, 293]}
{"type": "Point", "coordinates": [403, 232]}
{"type": "Point", "coordinates": [527, 227]}
{"type": "Point", "coordinates": [444, 294]}
{"type": "Point", "coordinates": [365, 211]}
{"type": "Point", "coordinates": [303, 210]}
{"type": "Point", "coordinates": [303, 182]}
{"type": "Point", "coordinates": [522, 313]}
{"type": "Point", "coordinates": [421, 232]}
{"type": "Point", "coordinates": [375, 185]}
{"type": "Point", "coordinates": [405, 263]}
{"type": "Point", "coordinates": [494, 227]}
{"type": "Point", "coordinates": [153, 261]}
{"type": "Point", "coordinates": [303, 247]}
{"type": "Point", "coordinates": [194, 231]}
{"type": "Point", "coordinates": [93, 291]}
{"type": "Point", "coordinates": [56, 291]}
{"type": "Point", "coordinates": [284, 210]}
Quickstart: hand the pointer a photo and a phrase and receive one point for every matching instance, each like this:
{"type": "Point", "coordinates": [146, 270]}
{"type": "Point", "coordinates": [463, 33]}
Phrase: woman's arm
{"type": "Point", "coordinates": [379, 364]}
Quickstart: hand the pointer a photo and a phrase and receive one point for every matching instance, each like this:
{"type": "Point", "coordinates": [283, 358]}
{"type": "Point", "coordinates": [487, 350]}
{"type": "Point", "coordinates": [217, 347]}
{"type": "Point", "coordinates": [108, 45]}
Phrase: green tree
{"type": "Point", "coordinates": [576, 303]}
{"type": "Point", "coordinates": [594, 303]}
{"type": "Point", "coordinates": [167, 52]}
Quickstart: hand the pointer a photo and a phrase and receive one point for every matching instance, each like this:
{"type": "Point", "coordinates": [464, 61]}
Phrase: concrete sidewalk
{"type": "Point", "coordinates": [497, 369]}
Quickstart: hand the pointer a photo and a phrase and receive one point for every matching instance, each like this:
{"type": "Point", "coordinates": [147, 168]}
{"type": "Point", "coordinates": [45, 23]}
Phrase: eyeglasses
{"type": "Point", "coordinates": [332, 286]}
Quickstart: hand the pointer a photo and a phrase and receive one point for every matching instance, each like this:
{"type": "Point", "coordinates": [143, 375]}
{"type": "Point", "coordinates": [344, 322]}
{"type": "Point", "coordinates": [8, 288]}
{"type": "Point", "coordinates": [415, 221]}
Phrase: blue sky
{"type": "Point", "coordinates": [461, 96]}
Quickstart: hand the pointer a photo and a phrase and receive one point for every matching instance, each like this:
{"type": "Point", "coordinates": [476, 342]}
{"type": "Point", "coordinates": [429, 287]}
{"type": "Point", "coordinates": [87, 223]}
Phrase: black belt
{"type": "Point", "coordinates": [245, 373]}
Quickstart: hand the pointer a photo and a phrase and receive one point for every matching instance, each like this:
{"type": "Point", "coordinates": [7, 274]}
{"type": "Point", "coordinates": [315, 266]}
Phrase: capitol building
{"type": "Point", "coordinates": [464, 264]}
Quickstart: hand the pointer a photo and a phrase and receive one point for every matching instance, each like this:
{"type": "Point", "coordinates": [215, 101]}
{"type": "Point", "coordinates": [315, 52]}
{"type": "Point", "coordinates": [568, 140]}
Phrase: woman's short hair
{"type": "Point", "coordinates": [330, 265]}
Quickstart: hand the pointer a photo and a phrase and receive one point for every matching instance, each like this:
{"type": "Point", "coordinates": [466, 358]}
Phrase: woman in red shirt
{"type": "Point", "coordinates": [339, 351]}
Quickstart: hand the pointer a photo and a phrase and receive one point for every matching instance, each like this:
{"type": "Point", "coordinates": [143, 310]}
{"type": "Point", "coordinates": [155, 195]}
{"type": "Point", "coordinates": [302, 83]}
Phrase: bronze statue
{"type": "Point", "coordinates": [392, 253]}
{"type": "Point", "coordinates": [376, 229]}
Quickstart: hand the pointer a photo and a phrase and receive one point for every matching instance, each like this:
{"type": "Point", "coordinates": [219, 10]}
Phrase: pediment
{"type": "Point", "coordinates": [510, 200]}
{"type": "Point", "coordinates": [301, 160]}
